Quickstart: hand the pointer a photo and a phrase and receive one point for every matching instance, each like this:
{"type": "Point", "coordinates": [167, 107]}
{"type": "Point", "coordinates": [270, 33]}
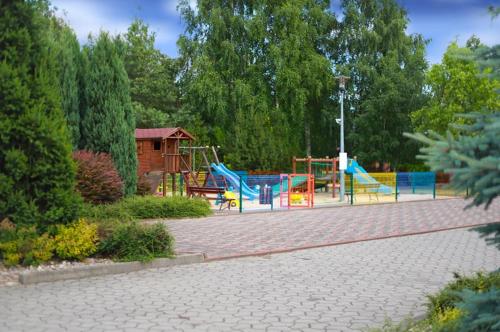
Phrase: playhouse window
{"type": "Point", "coordinates": [157, 145]}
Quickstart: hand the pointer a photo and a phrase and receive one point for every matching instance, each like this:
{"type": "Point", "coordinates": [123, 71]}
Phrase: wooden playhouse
{"type": "Point", "coordinates": [159, 154]}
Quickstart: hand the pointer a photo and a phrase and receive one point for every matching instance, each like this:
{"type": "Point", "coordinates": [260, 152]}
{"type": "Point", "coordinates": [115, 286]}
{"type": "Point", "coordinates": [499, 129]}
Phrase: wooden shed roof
{"type": "Point", "coordinates": [163, 133]}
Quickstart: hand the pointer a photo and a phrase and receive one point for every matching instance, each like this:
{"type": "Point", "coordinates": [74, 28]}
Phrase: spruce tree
{"type": "Point", "coordinates": [107, 119]}
{"type": "Point", "coordinates": [472, 159]}
{"type": "Point", "coordinates": [37, 174]}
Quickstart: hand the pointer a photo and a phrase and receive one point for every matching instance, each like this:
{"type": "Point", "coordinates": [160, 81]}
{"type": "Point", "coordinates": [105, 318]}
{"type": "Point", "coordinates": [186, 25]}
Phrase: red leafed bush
{"type": "Point", "coordinates": [97, 179]}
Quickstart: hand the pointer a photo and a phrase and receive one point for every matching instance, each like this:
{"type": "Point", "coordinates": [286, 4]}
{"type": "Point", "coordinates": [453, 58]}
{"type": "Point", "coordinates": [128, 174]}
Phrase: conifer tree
{"type": "Point", "coordinates": [37, 174]}
{"type": "Point", "coordinates": [67, 52]}
{"type": "Point", "coordinates": [107, 119]}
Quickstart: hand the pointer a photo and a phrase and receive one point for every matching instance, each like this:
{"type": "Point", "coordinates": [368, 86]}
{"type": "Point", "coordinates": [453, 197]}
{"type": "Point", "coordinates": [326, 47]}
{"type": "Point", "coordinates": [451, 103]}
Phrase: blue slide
{"type": "Point", "coordinates": [234, 180]}
{"type": "Point", "coordinates": [362, 177]}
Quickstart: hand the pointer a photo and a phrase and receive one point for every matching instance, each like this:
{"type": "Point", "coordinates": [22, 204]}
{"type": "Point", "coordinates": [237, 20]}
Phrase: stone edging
{"type": "Point", "coordinates": [33, 277]}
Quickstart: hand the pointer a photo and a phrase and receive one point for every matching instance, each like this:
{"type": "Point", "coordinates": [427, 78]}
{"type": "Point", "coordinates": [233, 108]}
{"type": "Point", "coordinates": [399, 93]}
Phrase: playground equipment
{"type": "Point", "coordinates": [323, 169]}
{"type": "Point", "coordinates": [201, 181]}
{"type": "Point", "coordinates": [296, 190]}
{"type": "Point", "coordinates": [366, 181]}
{"type": "Point", "coordinates": [235, 181]}
{"type": "Point", "coordinates": [158, 153]}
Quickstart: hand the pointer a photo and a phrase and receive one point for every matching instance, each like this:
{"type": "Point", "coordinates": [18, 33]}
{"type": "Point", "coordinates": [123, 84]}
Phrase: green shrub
{"type": "Point", "coordinates": [148, 207]}
{"type": "Point", "coordinates": [448, 296]}
{"type": "Point", "coordinates": [23, 245]}
{"type": "Point", "coordinates": [106, 211]}
{"type": "Point", "coordinates": [133, 241]}
{"type": "Point", "coordinates": [76, 241]}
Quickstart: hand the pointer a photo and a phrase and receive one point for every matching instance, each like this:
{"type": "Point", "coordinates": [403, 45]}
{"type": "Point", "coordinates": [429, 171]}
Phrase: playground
{"type": "Point", "coordinates": [173, 166]}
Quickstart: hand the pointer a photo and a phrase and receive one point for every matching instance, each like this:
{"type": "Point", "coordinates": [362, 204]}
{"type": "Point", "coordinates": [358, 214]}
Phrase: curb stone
{"type": "Point", "coordinates": [33, 277]}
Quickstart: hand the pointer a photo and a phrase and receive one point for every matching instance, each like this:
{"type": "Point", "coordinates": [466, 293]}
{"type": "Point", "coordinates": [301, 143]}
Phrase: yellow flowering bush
{"type": "Point", "coordinates": [77, 240]}
{"type": "Point", "coordinates": [27, 247]}
{"type": "Point", "coordinates": [448, 319]}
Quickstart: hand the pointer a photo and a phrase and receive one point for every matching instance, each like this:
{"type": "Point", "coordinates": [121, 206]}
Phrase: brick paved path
{"type": "Point", "coordinates": [339, 288]}
{"type": "Point", "coordinates": [233, 235]}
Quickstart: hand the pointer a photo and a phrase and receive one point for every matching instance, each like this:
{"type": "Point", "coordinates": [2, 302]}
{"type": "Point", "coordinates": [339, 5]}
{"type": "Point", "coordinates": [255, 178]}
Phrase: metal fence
{"type": "Point", "coordinates": [270, 192]}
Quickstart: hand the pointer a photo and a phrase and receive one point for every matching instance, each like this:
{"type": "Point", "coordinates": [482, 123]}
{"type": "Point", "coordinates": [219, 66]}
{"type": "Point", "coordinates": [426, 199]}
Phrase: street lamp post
{"type": "Point", "coordinates": [342, 83]}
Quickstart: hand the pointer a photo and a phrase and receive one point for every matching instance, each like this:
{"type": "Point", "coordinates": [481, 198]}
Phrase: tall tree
{"type": "Point", "coordinates": [152, 78]}
{"type": "Point", "coordinates": [108, 120]}
{"type": "Point", "coordinates": [63, 41]}
{"type": "Point", "coordinates": [37, 174]}
{"type": "Point", "coordinates": [455, 86]}
{"type": "Point", "coordinates": [387, 67]}
{"type": "Point", "coordinates": [256, 69]}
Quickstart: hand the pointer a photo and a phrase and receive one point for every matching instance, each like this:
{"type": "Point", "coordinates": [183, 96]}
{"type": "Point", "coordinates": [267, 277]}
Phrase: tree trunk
{"type": "Point", "coordinates": [307, 136]}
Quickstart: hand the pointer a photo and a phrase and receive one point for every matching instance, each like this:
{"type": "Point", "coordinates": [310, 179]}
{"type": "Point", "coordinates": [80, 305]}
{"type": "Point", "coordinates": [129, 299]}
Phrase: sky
{"type": "Point", "coordinates": [441, 21]}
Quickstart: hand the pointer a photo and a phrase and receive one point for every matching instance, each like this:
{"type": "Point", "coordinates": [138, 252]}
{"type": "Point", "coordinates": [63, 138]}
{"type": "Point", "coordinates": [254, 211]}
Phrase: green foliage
{"type": "Point", "coordinates": [472, 159]}
{"type": "Point", "coordinates": [448, 296]}
{"type": "Point", "coordinates": [257, 76]}
{"type": "Point", "coordinates": [23, 245]}
{"type": "Point", "coordinates": [116, 211]}
{"type": "Point", "coordinates": [483, 310]}
{"type": "Point", "coordinates": [37, 174]}
{"type": "Point", "coordinates": [62, 40]}
{"type": "Point", "coordinates": [108, 120]}
{"type": "Point", "coordinates": [76, 241]}
{"type": "Point", "coordinates": [387, 67]}
{"type": "Point", "coordinates": [494, 231]}
{"type": "Point", "coordinates": [97, 179]}
{"type": "Point", "coordinates": [148, 207]}
{"type": "Point", "coordinates": [456, 87]}
{"type": "Point", "coordinates": [150, 117]}
{"type": "Point", "coordinates": [152, 79]}
{"type": "Point", "coordinates": [132, 241]}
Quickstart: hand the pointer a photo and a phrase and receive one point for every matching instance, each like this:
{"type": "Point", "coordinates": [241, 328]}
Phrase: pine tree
{"type": "Point", "coordinates": [107, 119]}
{"type": "Point", "coordinates": [37, 174]}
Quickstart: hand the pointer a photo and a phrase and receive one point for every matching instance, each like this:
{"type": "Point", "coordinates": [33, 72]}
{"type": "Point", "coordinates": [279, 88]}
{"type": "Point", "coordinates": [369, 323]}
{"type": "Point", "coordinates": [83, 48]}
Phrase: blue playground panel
{"type": "Point", "coordinates": [416, 182]}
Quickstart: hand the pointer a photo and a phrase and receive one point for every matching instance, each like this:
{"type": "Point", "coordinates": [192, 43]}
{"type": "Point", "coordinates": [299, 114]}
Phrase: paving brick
{"type": "Point", "coordinates": [340, 288]}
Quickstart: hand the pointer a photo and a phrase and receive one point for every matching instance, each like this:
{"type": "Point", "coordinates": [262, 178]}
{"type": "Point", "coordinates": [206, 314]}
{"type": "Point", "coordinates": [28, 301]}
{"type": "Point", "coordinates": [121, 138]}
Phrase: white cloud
{"type": "Point", "coordinates": [90, 17]}
{"type": "Point", "coordinates": [165, 33]}
{"type": "Point", "coordinates": [444, 28]}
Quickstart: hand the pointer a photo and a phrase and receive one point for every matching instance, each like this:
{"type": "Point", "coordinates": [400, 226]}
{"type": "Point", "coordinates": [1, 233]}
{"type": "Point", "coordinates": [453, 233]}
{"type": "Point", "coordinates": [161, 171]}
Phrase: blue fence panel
{"type": "Point", "coordinates": [416, 182]}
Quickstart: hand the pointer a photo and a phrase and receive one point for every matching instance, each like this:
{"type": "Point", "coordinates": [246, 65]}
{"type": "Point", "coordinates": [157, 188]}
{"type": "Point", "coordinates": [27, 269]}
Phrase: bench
{"type": "Point", "coordinates": [204, 191]}
{"type": "Point", "coordinates": [366, 188]}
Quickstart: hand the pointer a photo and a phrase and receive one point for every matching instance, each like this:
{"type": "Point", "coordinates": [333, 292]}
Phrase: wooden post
{"type": "Point", "coordinates": [294, 165]}
{"type": "Point", "coordinates": [164, 193]}
{"type": "Point", "coordinates": [309, 166]}
{"type": "Point", "coordinates": [174, 183]}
